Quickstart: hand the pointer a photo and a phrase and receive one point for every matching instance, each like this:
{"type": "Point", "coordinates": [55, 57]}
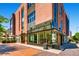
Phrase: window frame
{"type": "Point", "coordinates": [31, 17]}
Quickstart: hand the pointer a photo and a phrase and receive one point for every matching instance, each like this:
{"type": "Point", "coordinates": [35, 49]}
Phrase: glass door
{"type": "Point", "coordinates": [31, 38]}
{"type": "Point", "coordinates": [35, 38]}
{"type": "Point", "coordinates": [41, 38]}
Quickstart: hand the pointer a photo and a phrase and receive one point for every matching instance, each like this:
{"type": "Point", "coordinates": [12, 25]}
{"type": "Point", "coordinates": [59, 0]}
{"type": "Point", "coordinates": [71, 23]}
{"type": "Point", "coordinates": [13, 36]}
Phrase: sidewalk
{"type": "Point", "coordinates": [25, 52]}
{"type": "Point", "coordinates": [13, 49]}
{"type": "Point", "coordinates": [18, 49]}
{"type": "Point", "coordinates": [41, 48]}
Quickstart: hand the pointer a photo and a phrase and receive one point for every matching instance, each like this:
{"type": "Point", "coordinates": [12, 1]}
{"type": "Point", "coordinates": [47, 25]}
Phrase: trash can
{"type": "Point", "coordinates": [53, 46]}
{"type": "Point", "coordinates": [45, 46]}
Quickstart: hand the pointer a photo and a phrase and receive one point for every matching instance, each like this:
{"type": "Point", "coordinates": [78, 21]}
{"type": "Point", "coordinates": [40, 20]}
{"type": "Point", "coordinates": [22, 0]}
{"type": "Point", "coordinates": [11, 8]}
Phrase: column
{"type": "Point", "coordinates": [37, 39]}
{"type": "Point", "coordinates": [59, 40]}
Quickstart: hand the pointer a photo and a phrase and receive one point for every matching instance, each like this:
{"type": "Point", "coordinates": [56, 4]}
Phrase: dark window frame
{"type": "Point", "coordinates": [22, 21]}
{"type": "Point", "coordinates": [61, 26]}
{"type": "Point", "coordinates": [61, 10]}
{"type": "Point", "coordinates": [55, 20]}
{"type": "Point", "coordinates": [29, 5]}
{"type": "Point", "coordinates": [31, 17]}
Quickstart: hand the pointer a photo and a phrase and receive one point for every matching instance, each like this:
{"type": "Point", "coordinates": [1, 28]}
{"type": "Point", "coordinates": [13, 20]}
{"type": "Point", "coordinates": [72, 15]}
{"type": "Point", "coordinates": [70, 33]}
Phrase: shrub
{"type": "Point", "coordinates": [8, 40]}
{"type": "Point", "coordinates": [12, 40]}
{"type": "Point", "coordinates": [4, 41]}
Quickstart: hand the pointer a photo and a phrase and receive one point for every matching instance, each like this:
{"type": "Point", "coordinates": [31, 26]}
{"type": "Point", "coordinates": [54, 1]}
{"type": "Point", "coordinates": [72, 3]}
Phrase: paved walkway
{"type": "Point", "coordinates": [13, 49]}
{"type": "Point", "coordinates": [55, 51]}
{"type": "Point", "coordinates": [71, 50]}
{"type": "Point", "coordinates": [68, 52]}
{"type": "Point", "coordinates": [17, 50]}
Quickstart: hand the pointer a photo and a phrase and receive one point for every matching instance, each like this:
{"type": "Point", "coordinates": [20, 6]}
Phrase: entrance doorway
{"type": "Point", "coordinates": [35, 38]}
{"type": "Point", "coordinates": [61, 39]}
{"type": "Point", "coordinates": [22, 38]}
{"type": "Point", "coordinates": [32, 38]}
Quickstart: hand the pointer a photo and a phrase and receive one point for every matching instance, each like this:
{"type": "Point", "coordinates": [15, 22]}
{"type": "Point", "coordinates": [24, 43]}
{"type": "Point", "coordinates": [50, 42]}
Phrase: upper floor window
{"type": "Point", "coordinates": [55, 10]}
{"type": "Point", "coordinates": [31, 17]}
{"type": "Point", "coordinates": [55, 21]}
{"type": "Point", "coordinates": [29, 5]}
{"type": "Point", "coordinates": [61, 10]}
{"type": "Point", "coordinates": [22, 19]}
{"type": "Point", "coordinates": [22, 12]}
{"type": "Point", "coordinates": [53, 24]}
{"type": "Point", "coordinates": [61, 26]}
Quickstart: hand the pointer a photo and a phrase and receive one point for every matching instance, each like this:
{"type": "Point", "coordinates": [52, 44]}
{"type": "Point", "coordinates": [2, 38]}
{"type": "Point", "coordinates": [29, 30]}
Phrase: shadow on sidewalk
{"type": "Point", "coordinates": [70, 46]}
{"type": "Point", "coordinates": [5, 49]}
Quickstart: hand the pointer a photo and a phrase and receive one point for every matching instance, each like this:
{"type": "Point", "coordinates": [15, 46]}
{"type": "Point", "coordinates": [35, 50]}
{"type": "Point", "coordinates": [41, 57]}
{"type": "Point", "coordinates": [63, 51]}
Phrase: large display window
{"type": "Point", "coordinates": [40, 37]}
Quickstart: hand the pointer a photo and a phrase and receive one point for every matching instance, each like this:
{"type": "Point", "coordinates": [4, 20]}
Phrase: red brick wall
{"type": "Point", "coordinates": [63, 18]}
{"type": "Point", "coordinates": [17, 16]}
{"type": "Point", "coordinates": [43, 12]}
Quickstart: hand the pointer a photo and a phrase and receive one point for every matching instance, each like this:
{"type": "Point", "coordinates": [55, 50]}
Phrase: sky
{"type": "Point", "coordinates": [72, 10]}
{"type": "Point", "coordinates": [6, 10]}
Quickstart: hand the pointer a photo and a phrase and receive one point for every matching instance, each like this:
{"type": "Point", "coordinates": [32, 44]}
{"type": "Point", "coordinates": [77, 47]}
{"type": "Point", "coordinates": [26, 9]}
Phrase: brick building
{"type": "Point", "coordinates": [41, 22]}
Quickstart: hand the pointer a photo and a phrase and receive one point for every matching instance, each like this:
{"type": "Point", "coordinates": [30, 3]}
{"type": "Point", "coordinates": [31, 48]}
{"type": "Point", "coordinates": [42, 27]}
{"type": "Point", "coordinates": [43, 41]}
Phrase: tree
{"type": "Point", "coordinates": [2, 27]}
{"type": "Point", "coordinates": [76, 37]}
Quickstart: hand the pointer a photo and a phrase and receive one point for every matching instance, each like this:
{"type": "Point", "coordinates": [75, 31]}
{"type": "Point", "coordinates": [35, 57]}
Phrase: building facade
{"type": "Point", "coordinates": [39, 23]}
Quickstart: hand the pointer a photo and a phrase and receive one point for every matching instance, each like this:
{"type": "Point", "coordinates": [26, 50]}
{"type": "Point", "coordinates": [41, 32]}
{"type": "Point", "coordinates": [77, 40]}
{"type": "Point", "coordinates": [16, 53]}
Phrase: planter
{"type": "Point", "coordinates": [54, 46]}
{"type": "Point", "coordinates": [4, 41]}
{"type": "Point", "coordinates": [45, 46]}
{"type": "Point", "coordinates": [62, 48]}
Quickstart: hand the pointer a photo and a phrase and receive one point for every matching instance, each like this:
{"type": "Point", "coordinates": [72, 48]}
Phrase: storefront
{"type": "Point", "coordinates": [45, 34]}
{"type": "Point", "coordinates": [40, 38]}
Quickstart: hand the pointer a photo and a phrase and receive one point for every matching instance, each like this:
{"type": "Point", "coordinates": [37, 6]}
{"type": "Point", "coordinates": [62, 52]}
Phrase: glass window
{"type": "Point", "coordinates": [22, 12]}
{"type": "Point", "coordinates": [53, 24]}
{"type": "Point", "coordinates": [31, 38]}
{"type": "Point", "coordinates": [61, 10]}
{"type": "Point", "coordinates": [31, 17]}
{"type": "Point", "coordinates": [29, 5]}
{"type": "Point", "coordinates": [22, 15]}
{"type": "Point", "coordinates": [61, 26]}
{"type": "Point", "coordinates": [55, 9]}
{"type": "Point", "coordinates": [55, 21]}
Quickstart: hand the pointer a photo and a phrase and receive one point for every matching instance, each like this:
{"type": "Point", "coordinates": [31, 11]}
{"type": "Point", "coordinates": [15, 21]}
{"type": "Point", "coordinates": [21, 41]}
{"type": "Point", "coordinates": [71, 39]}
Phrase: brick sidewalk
{"type": "Point", "coordinates": [20, 50]}
{"type": "Point", "coordinates": [25, 52]}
